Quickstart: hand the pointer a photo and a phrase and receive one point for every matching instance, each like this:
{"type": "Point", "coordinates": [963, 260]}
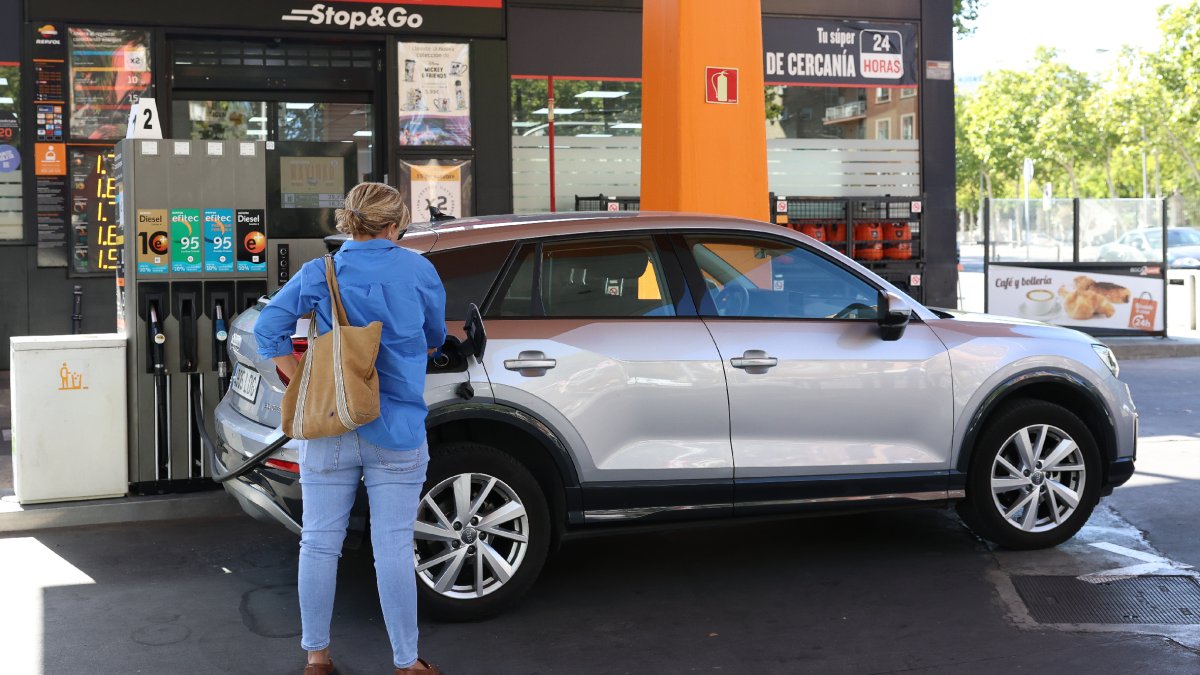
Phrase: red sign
{"type": "Point", "coordinates": [720, 85]}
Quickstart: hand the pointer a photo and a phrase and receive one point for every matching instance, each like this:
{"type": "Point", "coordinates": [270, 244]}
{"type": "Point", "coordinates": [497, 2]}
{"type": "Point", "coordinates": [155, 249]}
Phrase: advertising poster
{"type": "Point", "coordinates": [218, 240]}
{"type": "Point", "coordinates": [442, 183]}
{"type": "Point", "coordinates": [435, 93]}
{"type": "Point", "coordinates": [250, 239]}
{"type": "Point", "coordinates": [1094, 300]}
{"type": "Point", "coordinates": [110, 71]}
{"type": "Point", "coordinates": [95, 231]}
{"type": "Point", "coordinates": [153, 241]}
{"type": "Point", "coordinates": [186, 250]}
{"type": "Point", "coordinates": [51, 204]}
{"type": "Point", "coordinates": [10, 137]}
{"type": "Point", "coordinates": [827, 52]}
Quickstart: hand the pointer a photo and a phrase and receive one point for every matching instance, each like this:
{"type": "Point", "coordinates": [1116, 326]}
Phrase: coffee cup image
{"type": "Point", "coordinates": [1040, 301]}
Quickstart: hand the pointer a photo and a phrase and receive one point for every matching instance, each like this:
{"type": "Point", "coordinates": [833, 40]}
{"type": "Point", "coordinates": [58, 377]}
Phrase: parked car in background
{"type": "Point", "coordinates": [1145, 245]}
{"type": "Point", "coordinates": [655, 368]}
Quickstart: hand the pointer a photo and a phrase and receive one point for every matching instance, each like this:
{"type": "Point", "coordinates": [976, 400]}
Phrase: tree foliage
{"type": "Point", "coordinates": [1131, 131]}
{"type": "Point", "coordinates": [965, 14]}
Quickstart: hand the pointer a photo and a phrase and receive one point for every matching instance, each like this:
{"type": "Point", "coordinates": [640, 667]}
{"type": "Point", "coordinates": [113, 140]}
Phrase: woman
{"type": "Point", "coordinates": [379, 281]}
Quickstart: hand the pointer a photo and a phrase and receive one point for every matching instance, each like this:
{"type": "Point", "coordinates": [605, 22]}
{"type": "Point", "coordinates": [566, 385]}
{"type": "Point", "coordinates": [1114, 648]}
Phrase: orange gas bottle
{"type": "Point", "coordinates": [868, 241]}
{"type": "Point", "coordinates": [899, 241]}
{"type": "Point", "coordinates": [814, 230]}
{"type": "Point", "coordinates": [835, 234]}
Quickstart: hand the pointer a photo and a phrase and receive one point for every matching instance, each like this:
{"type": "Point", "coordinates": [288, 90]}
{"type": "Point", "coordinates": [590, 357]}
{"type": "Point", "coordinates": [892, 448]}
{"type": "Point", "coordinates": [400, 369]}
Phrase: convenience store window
{"type": "Point", "coordinates": [10, 154]}
{"type": "Point", "coordinates": [597, 128]}
{"type": "Point", "coordinates": [837, 141]}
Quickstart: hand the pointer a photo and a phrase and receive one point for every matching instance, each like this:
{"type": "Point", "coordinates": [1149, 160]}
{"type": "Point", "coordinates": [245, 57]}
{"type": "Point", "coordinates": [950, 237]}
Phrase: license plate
{"type": "Point", "coordinates": [245, 383]}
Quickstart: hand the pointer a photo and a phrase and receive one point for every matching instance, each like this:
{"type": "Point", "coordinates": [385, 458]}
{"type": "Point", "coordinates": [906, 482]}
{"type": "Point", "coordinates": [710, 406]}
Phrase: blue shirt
{"type": "Point", "coordinates": [379, 281]}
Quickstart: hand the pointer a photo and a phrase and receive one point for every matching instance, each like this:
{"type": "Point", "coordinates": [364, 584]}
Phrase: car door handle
{"type": "Point", "coordinates": [754, 361]}
{"type": "Point", "coordinates": [530, 364]}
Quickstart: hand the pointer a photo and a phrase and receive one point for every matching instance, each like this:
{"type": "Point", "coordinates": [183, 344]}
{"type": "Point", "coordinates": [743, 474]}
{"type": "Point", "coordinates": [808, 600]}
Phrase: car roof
{"type": "Point", "coordinates": [447, 234]}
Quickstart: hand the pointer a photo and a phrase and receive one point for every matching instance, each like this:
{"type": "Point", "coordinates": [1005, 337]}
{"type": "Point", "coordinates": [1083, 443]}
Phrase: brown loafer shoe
{"type": "Point", "coordinates": [429, 668]}
{"type": "Point", "coordinates": [319, 669]}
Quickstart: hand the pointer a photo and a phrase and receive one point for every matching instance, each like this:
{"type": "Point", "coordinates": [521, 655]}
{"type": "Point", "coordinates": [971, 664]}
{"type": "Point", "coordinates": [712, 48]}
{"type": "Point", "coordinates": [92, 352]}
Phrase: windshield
{"type": "Point", "coordinates": [1183, 237]}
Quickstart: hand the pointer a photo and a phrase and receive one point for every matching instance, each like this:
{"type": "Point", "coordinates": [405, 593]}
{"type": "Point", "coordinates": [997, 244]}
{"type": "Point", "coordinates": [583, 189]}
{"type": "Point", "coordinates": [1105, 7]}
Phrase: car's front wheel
{"type": "Point", "coordinates": [482, 532]}
{"type": "Point", "coordinates": [1034, 478]}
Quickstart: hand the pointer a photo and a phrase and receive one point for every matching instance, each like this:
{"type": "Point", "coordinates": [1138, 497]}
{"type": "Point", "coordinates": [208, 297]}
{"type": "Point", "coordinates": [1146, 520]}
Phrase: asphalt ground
{"type": "Point", "coordinates": [893, 592]}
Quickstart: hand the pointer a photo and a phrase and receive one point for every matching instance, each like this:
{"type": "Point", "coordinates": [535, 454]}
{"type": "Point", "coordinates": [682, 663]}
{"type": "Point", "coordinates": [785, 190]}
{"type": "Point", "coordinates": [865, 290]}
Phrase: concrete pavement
{"type": "Point", "coordinates": [905, 591]}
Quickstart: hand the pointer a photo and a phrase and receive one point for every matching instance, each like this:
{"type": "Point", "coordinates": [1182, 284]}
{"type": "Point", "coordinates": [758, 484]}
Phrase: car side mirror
{"type": "Point", "coordinates": [894, 315]}
{"type": "Point", "coordinates": [476, 335]}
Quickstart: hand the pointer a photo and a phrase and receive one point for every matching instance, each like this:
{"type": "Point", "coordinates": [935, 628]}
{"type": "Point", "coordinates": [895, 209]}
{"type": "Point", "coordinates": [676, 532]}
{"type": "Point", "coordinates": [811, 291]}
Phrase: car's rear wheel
{"type": "Point", "coordinates": [482, 532]}
{"type": "Point", "coordinates": [1034, 478]}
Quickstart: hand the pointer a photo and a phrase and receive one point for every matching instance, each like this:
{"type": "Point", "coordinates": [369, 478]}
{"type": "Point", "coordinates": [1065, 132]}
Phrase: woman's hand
{"type": "Point", "coordinates": [288, 365]}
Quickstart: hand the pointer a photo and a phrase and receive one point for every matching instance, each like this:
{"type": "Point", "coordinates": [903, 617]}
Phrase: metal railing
{"type": "Point", "coordinates": [845, 111]}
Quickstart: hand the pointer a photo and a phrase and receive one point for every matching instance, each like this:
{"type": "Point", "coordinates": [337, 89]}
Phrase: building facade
{"type": "Point", "coordinates": [448, 98]}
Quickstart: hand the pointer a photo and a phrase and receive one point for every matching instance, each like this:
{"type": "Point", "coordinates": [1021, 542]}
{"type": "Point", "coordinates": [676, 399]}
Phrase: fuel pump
{"type": "Point", "coordinates": [201, 218]}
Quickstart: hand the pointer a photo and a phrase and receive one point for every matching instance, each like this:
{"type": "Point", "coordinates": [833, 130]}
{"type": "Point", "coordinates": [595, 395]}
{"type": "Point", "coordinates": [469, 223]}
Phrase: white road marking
{"type": "Point", "coordinates": [1152, 564]}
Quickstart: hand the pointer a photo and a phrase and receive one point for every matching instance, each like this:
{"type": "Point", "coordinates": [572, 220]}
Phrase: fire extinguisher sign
{"type": "Point", "coordinates": [720, 85]}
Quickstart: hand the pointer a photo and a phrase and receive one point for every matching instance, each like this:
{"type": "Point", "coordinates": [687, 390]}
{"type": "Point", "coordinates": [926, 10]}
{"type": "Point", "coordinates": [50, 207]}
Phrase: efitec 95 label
{"type": "Point", "coordinates": [218, 240]}
{"type": "Point", "coordinates": [186, 249]}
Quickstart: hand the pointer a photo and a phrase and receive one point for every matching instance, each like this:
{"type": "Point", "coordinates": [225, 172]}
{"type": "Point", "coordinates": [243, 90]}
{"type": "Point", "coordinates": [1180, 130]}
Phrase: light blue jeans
{"type": "Point", "coordinates": [330, 471]}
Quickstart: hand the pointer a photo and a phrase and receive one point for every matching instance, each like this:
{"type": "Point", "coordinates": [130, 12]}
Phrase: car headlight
{"type": "Point", "coordinates": [1109, 358]}
{"type": "Point", "coordinates": [1186, 261]}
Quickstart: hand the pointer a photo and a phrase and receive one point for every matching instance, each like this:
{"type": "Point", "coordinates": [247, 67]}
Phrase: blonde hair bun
{"type": "Point", "coordinates": [369, 209]}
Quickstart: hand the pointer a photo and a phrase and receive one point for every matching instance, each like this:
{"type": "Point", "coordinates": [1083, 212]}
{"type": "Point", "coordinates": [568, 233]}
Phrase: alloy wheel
{"type": "Point", "coordinates": [1038, 478]}
{"type": "Point", "coordinates": [470, 536]}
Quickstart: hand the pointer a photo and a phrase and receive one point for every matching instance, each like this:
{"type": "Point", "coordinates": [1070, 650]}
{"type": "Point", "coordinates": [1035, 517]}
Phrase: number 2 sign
{"type": "Point", "coordinates": [143, 120]}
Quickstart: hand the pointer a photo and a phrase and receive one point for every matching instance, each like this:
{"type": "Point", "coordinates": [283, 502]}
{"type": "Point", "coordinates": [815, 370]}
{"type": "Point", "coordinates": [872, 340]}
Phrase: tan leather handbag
{"type": "Point", "coordinates": [338, 389]}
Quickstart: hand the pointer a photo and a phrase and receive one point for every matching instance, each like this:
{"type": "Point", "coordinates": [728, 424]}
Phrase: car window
{"type": "Point", "coordinates": [764, 278]}
{"type": "Point", "coordinates": [468, 273]}
{"type": "Point", "coordinates": [588, 278]}
{"type": "Point", "coordinates": [1183, 237]}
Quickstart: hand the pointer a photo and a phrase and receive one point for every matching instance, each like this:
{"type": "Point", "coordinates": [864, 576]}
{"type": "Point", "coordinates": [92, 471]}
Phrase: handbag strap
{"type": "Point", "coordinates": [335, 295]}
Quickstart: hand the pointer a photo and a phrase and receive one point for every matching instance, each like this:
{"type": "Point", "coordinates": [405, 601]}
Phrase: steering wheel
{"type": "Point", "coordinates": [733, 300]}
{"type": "Point", "coordinates": [851, 311]}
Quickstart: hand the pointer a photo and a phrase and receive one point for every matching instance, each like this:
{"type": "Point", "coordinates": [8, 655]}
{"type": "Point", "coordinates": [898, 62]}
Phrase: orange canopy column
{"type": "Point", "coordinates": [697, 155]}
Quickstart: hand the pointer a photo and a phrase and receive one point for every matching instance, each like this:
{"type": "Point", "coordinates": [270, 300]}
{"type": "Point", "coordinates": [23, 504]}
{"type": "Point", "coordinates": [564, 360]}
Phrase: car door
{"type": "Point", "coordinates": [821, 407]}
{"type": "Point", "coordinates": [599, 339]}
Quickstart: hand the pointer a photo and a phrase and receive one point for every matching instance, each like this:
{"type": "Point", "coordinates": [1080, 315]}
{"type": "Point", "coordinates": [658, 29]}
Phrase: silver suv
{"type": "Point", "coordinates": [657, 368]}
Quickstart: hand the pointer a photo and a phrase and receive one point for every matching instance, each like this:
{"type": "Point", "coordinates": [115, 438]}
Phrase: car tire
{"type": "Point", "coordinates": [499, 545]}
{"type": "Point", "coordinates": [1020, 493]}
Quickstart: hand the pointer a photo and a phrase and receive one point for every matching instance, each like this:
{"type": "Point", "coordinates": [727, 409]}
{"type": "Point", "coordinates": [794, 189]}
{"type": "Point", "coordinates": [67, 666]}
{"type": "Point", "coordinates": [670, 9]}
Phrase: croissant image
{"type": "Point", "coordinates": [1086, 303]}
{"type": "Point", "coordinates": [1114, 292]}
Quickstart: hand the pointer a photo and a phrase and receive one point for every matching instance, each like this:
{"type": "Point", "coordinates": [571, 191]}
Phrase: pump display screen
{"type": "Point", "coordinates": [96, 234]}
{"type": "Point", "coordinates": [312, 182]}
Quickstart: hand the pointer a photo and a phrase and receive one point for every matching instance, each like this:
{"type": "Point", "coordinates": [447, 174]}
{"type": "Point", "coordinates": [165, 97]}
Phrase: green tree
{"type": "Point", "coordinates": [965, 14]}
{"type": "Point", "coordinates": [1064, 132]}
{"type": "Point", "coordinates": [1171, 85]}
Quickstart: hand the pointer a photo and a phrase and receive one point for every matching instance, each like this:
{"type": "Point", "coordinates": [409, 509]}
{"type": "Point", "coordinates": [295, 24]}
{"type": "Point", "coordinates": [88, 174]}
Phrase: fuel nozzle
{"type": "Point", "coordinates": [158, 337]}
{"type": "Point", "coordinates": [221, 335]}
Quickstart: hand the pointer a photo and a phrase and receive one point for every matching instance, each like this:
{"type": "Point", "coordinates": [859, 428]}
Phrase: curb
{"type": "Point", "coordinates": [1153, 348]}
{"type": "Point", "coordinates": [16, 517]}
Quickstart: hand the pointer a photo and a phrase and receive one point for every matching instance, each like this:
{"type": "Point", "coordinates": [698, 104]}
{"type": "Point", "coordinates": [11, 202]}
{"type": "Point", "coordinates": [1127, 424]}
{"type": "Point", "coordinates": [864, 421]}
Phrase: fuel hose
{"type": "Point", "coordinates": [247, 464]}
